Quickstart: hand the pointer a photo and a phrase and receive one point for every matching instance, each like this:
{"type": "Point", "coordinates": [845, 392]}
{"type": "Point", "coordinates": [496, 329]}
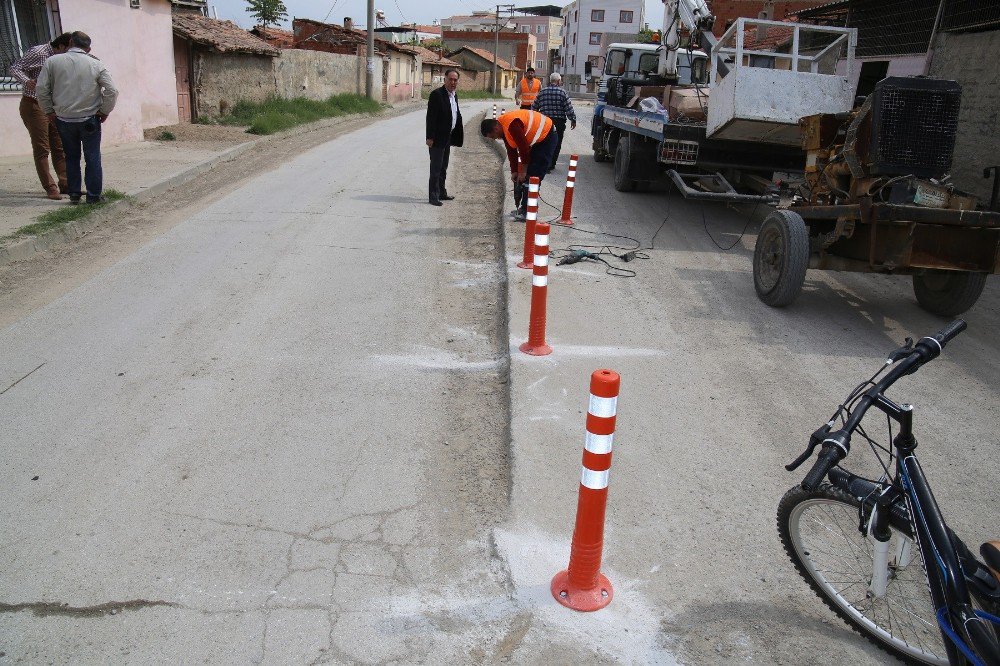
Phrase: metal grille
{"type": "Point", "coordinates": [914, 122]}
{"type": "Point", "coordinates": [679, 152]}
{"type": "Point", "coordinates": [962, 15]}
{"type": "Point", "coordinates": [23, 24]}
{"type": "Point", "coordinates": [892, 27]}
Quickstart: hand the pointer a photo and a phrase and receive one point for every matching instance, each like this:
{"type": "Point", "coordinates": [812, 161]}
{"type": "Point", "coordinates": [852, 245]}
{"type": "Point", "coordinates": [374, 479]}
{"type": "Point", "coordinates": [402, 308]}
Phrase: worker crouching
{"type": "Point", "coordinates": [531, 145]}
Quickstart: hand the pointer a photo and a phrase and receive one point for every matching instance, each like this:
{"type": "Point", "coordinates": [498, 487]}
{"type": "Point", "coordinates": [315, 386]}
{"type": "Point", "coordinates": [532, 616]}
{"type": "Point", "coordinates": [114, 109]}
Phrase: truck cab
{"type": "Point", "coordinates": [640, 60]}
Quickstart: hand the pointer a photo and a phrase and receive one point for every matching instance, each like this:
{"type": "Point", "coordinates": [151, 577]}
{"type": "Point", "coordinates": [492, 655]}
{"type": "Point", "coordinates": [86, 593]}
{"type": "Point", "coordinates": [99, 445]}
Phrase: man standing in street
{"type": "Point", "coordinates": [554, 102]}
{"type": "Point", "coordinates": [44, 135]}
{"type": "Point", "coordinates": [530, 141]}
{"type": "Point", "coordinates": [76, 92]}
{"type": "Point", "coordinates": [444, 130]}
{"type": "Point", "coordinates": [528, 89]}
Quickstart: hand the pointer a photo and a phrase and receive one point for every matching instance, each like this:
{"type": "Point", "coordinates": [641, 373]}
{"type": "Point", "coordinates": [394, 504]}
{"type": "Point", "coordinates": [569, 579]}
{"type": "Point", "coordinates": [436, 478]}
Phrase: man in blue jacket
{"type": "Point", "coordinates": [444, 130]}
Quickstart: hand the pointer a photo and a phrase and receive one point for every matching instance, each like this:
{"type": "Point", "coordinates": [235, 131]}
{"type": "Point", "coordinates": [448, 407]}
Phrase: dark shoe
{"type": "Point", "coordinates": [447, 197]}
{"type": "Point", "coordinates": [74, 200]}
{"type": "Point", "coordinates": [435, 202]}
{"type": "Point", "coordinates": [98, 200]}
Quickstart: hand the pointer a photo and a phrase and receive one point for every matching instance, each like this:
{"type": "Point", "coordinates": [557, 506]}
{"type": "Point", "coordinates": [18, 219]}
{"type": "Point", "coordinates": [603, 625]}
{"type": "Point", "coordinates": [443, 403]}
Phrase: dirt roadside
{"type": "Point", "coordinates": [28, 285]}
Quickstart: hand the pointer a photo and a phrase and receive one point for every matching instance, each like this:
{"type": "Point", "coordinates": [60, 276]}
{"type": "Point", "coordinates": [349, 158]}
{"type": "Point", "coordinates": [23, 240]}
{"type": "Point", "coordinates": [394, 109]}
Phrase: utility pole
{"type": "Point", "coordinates": [370, 69]}
{"type": "Point", "coordinates": [496, 46]}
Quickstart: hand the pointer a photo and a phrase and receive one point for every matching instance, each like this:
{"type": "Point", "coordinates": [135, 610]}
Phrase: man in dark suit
{"type": "Point", "coordinates": [444, 130]}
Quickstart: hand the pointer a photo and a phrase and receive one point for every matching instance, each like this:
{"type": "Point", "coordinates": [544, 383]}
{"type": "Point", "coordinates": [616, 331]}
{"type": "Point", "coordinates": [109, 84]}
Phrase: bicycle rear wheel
{"type": "Point", "coordinates": [819, 530]}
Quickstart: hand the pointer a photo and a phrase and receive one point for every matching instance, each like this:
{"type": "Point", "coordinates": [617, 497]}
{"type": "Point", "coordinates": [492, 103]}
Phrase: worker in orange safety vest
{"type": "Point", "coordinates": [530, 140]}
{"type": "Point", "coordinates": [528, 89]}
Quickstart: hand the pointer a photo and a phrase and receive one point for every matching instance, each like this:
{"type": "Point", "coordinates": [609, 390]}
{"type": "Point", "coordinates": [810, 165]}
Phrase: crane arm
{"type": "Point", "coordinates": [691, 14]}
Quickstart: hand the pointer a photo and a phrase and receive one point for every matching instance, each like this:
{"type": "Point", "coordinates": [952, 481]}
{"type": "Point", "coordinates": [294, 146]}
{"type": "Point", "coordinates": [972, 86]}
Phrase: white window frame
{"type": "Point", "coordinates": [597, 20]}
{"type": "Point", "coordinates": [621, 16]}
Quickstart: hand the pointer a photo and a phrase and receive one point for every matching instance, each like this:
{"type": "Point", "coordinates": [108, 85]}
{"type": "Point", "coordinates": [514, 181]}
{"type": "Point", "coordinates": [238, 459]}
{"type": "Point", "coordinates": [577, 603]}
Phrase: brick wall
{"type": "Point", "coordinates": [970, 58]}
{"type": "Point", "coordinates": [728, 10]}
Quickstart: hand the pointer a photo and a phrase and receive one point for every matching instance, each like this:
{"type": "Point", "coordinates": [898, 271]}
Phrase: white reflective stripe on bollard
{"type": "Point", "coordinates": [539, 280]}
{"type": "Point", "coordinates": [541, 239]}
{"type": "Point", "coordinates": [571, 184]}
{"type": "Point", "coordinates": [594, 480]}
{"type": "Point", "coordinates": [598, 444]}
{"type": "Point", "coordinates": [603, 407]}
{"type": "Point", "coordinates": [541, 260]}
{"type": "Point", "coordinates": [532, 215]}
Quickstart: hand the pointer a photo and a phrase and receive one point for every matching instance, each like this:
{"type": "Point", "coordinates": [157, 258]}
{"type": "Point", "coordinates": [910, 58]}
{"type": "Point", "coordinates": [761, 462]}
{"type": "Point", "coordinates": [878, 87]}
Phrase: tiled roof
{"type": "Point", "coordinates": [485, 55]}
{"type": "Point", "coordinates": [283, 39]}
{"type": "Point", "coordinates": [340, 35]}
{"type": "Point", "coordinates": [430, 57]}
{"type": "Point", "coordinates": [223, 36]}
{"type": "Point", "coordinates": [773, 38]}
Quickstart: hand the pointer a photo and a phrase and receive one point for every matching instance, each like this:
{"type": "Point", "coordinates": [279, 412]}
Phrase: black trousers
{"type": "Point", "coordinates": [439, 171]}
{"type": "Point", "coordinates": [560, 127]}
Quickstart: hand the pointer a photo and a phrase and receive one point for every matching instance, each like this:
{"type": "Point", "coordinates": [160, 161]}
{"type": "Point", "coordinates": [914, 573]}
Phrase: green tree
{"type": "Point", "coordinates": [267, 12]}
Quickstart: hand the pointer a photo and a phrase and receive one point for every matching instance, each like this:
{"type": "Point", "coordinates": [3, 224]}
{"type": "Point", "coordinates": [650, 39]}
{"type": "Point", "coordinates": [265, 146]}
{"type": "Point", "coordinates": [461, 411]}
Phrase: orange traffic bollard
{"type": "Point", "coordinates": [582, 586]}
{"type": "Point", "coordinates": [527, 259]}
{"type": "Point", "coordinates": [570, 186]}
{"type": "Point", "coordinates": [539, 291]}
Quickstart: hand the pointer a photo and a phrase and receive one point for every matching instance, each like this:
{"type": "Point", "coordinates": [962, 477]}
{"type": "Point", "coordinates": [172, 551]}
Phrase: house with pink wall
{"type": "Point", "coordinates": [133, 38]}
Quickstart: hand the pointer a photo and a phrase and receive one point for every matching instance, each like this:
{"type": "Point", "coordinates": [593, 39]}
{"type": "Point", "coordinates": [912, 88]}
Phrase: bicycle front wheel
{"type": "Point", "coordinates": [819, 530]}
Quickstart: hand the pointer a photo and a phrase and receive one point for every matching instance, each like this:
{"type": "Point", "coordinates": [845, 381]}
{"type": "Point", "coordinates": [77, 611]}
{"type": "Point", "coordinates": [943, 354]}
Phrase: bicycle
{"type": "Point", "coordinates": [863, 544]}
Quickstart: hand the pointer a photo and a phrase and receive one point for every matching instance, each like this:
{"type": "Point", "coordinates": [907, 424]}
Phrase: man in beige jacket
{"type": "Point", "coordinates": [76, 91]}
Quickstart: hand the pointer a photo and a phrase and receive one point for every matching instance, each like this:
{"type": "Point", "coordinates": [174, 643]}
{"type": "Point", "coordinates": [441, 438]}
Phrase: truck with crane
{"type": "Point", "coordinates": [872, 192]}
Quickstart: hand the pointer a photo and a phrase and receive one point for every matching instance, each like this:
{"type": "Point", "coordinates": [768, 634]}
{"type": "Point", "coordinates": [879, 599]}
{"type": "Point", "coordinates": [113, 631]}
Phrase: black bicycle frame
{"type": "Point", "coordinates": [951, 596]}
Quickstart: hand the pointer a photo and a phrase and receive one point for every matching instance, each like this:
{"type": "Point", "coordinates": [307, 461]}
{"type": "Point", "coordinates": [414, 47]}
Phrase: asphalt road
{"type": "Point", "coordinates": [277, 433]}
{"type": "Point", "coordinates": [296, 428]}
{"type": "Point", "coordinates": [718, 392]}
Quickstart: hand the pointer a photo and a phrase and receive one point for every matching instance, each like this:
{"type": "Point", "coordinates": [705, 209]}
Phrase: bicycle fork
{"type": "Point", "coordinates": [877, 529]}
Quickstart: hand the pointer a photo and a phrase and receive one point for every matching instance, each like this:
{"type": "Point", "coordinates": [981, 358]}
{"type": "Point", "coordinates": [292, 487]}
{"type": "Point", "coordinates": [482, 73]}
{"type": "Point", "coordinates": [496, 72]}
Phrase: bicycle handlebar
{"type": "Point", "coordinates": [837, 445]}
{"type": "Point", "coordinates": [835, 448]}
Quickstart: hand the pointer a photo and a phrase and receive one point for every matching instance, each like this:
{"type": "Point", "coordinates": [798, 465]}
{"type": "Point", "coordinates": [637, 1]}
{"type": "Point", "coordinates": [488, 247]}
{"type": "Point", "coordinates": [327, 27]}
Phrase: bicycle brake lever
{"type": "Point", "coordinates": [814, 441]}
{"type": "Point", "coordinates": [901, 353]}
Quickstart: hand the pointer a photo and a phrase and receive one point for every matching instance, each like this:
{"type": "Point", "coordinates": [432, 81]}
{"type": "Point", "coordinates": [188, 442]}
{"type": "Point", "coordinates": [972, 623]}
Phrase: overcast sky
{"type": "Point", "coordinates": [396, 11]}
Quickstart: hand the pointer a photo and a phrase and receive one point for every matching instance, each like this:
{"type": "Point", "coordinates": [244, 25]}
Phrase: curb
{"type": "Point", "coordinates": [29, 246]}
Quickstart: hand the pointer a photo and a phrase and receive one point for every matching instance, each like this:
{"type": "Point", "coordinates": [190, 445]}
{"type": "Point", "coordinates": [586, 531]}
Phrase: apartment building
{"type": "Point", "coordinates": [586, 21]}
{"type": "Point", "coordinates": [548, 35]}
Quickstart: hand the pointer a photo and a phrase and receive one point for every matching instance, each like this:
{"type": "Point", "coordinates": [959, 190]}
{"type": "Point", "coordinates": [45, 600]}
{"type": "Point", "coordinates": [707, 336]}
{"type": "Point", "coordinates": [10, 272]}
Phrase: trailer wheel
{"type": "Point", "coordinates": [623, 163]}
{"type": "Point", "coordinates": [948, 293]}
{"type": "Point", "coordinates": [780, 258]}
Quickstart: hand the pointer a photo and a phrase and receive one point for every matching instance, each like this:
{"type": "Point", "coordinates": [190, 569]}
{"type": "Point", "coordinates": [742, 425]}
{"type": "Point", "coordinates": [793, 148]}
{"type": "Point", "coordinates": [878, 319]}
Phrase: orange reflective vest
{"type": "Point", "coordinates": [537, 126]}
{"type": "Point", "coordinates": [529, 92]}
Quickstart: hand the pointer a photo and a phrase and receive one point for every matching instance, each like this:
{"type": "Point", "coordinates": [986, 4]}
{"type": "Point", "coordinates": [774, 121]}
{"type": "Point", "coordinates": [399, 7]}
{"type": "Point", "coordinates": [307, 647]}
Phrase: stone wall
{"type": "Point", "coordinates": [317, 75]}
{"type": "Point", "coordinates": [971, 59]}
{"type": "Point", "coordinates": [221, 80]}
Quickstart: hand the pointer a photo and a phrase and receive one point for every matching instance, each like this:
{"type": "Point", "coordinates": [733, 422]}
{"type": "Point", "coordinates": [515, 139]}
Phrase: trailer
{"type": "Point", "coordinates": [874, 195]}
{"type": "Point", "coordinates": [876, 199]}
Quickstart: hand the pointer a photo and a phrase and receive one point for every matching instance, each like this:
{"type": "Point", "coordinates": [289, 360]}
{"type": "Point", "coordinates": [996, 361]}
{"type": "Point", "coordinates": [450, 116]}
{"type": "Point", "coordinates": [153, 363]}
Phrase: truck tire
{"type": "Point", "coordinates": [623, 162]}
{"type": "Point", "coordinates": [780, 258]}
{"type": "Point", "coordinates": [948, 293]}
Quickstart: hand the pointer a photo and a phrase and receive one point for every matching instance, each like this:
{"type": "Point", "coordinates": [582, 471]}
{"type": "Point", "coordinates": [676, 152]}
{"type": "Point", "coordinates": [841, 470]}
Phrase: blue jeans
{"type": "Point", "coordinates": [88, 136]}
